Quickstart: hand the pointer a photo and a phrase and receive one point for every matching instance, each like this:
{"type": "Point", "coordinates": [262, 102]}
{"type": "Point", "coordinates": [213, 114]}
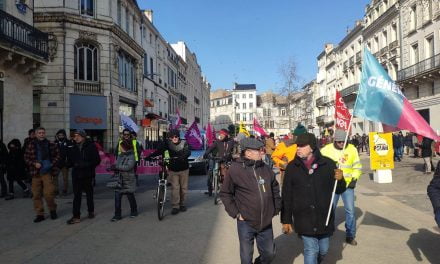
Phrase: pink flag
{"type": "Point", "coordinates": [193, 136]}
{"type": "Point", "coordinates": [178, 121]}
{"type": "Point", "coordinates": [258, 129]}
{"type": "Point", "coordinates": [210, 134]}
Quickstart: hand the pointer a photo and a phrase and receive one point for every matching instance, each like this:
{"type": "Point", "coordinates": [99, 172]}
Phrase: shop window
{"type": "Point", "coordinates": [86, 62]}
{"type": "Point", "coordinates": [87, 7]}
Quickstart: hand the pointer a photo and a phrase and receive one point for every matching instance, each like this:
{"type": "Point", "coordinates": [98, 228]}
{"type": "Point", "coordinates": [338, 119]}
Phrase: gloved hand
{"type": "Point", "coordinates": [352, 184]}
{"type": "Point", "coordinates": [339, 174]}
{"type": "Point", "coordinates": [287, 229]}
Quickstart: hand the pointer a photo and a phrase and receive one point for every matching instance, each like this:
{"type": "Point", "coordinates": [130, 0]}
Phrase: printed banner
{"type": "Point", "coordinates": [381, 151]}
{"type": "Point", "coordinates": [144, 168]}
{"type": "Point", "coordinates": [193, 137]}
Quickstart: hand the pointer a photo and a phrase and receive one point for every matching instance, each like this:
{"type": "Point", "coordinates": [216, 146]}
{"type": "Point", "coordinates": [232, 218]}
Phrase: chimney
{"type": "Point", "coordinates": [149, 14]}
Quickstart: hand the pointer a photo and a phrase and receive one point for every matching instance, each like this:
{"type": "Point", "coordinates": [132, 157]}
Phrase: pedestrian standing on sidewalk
{"type": "Point", "coordinates": [178, 168]}
{"type": "Point", "coordinates": [416, 145]}
{"type": "Point", "coordinates": [349, 162]}
{"type": "Point", "coordinates": [63, 145]}
{"type": "Point", "coordinates": [3, 160]}
{"type": "Point", "coordinates": [82, 157]}
{"type": "Point", "coordinates": [251, 194]}
{"type": "Point", "coordinates": [125, 165]}
{"type": "Point", "coordinates": [139, 149]}
{"type": "Point", "coordinates": [307, 191]}
{"type": "Point", "coordinates": [31, 137]}
{"type": "Point", "coordinates": [16, 169]}
{"type": "Point", "coordinates": [41, 157]}
{"type": "Point", "coordinates": [397, 146]}
{"type": "Point", "coordinates": [270, 147]}
{"type": "Point", "coordinates": [409, 148]}
{"type": "Point", "coordinates": [426, 150]}
{"type": "Point", "coordinates": [434, 194]}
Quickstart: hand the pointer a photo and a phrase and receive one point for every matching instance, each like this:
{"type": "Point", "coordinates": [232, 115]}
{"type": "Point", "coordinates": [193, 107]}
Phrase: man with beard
{"type": "Point", "coordinates": [63, 145]}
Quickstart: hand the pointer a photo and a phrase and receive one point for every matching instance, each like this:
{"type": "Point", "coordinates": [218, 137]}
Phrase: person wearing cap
{"type": "Point", "coordinates": [41, 157]}
{"type": "Point", "coordinates": [63, 145]}
{"type": "Point", "coordinates": [286, 150]}
{"type": "Point", "coordinates": [223, 149]}
{"type": "Point", "coordinates": [82, 157]}
{"type": "Point", "coordinates": [251, 195]}
{"type": "Point", "coordinates": [178, 168]}
{"type": "Point", "coordinates": [307, 191]}
{"type": "Point", "coordinates": [348, 160]}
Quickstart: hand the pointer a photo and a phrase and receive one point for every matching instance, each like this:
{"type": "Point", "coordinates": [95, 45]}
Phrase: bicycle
{"type": "Point", "coordinates": [216, 178]}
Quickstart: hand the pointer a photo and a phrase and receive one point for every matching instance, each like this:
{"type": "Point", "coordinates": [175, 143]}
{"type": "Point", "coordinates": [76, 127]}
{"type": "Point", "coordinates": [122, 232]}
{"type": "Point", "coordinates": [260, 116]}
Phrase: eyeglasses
{"type": "Point", "coordinates": [174, 137]}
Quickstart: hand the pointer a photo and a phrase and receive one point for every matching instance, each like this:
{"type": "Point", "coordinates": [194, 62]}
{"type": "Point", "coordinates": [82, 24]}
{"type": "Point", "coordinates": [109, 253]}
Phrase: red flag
{"type": "Point", "coordinates": [210, 134]}
{"type": "Point", "coordinates": [342, 115]}
{"type": "Point", "coordinates": [259, 129]}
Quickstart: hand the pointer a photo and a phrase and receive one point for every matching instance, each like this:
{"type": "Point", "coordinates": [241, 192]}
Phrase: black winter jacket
{"type": "Point", "coordinates": [306, 197]}
{"type": "Point", "coordinates": [179, 154]}
{"type": "Point", "coordinates": [223, 149]}
{"type": "Point", "coordinates": [250, 188]}
{"type": "Point", "coordinates": [434, 189]}
{"type": "Point", "coordinates": [83, 161]}
{"type": "Point", "coordinates": [63, 146]}
{"type": "Point", "coordinates": [426, 147]}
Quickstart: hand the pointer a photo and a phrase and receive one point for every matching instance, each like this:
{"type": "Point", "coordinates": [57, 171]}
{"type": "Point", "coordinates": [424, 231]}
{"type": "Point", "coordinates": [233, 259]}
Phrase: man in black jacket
{"type": "Point", "coordinates": [251, 194]}
{"type": "Point", "coordinates": [178, 168]}
{"type": "Point", "coordinates": [434, 193]}
{"type": "Point", "coordinates": [307, 191]}
{"type": "Point", "coordinates": [223, 149]}
{"type": "Point", "coordinates": [83, 157]}
{"type": "Point", "coordinates": [63, 144]}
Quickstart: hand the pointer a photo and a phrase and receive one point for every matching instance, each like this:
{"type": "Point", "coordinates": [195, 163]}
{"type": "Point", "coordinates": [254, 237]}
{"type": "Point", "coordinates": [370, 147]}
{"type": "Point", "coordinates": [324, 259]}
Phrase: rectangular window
{"type": "Point", "coordinates": [145, 64]}
{"type": "Point", "coordinates": [151, 68]}
{"type": "Point", "coordinates": [413, 18]}
{"type": "Point", "coordinates": [414, 54]}
{"type": "Point", "coordinates": [251, 116]}
{"type": "Point", "coordinates": [251, 105]}
{"type": "Point", "coordinates": [244, 105]}
{"type": "Point", "coordinates": [127, 21]}
{"type": "Point", "coordinates": [87, 7]}
{"type": "Point", "coordinates": [251, 96]}
{"type": "Point", "coordinates": [429, 49]}
{"type": "Point", "coordinates": [237, 117]}
{"type": "Point", "coordinates": [243, 96]}
{"type": "Point", "coordinates": [119, 13]}
{"type": "Point", "coordinates": [2, 4]}
{"type": "Point", "coordinates": [244, 117]}
{"type": "Point", "coordinates": [394, 33]}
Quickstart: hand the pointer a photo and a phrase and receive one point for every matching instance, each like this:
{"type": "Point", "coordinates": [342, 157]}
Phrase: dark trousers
{"type": "Point", "coordinates": [81, 185]}
{"type": "Point", "coordinates": [19, 182]}
{"type": "Point", "coordinates": [265, 244]}
{"type": "Point", "coordinates": [4, 189]}
{"type": "Point", "coordinates": [118, 201]}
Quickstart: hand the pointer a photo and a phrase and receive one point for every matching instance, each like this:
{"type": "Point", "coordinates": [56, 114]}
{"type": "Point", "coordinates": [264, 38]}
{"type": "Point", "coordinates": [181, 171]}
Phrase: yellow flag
{"type": "Point", "coordinates": [243, 130]}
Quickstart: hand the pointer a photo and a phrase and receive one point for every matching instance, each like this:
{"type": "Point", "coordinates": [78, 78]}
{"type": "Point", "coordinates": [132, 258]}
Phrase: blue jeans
{"type": "Point", "coordinates": [315, 248]}
{"type": "Point", "coordinates": [437, 218]}
{"type": "Point", "coordinates": [265, 244]}
{"type": "Point", "coordinates": [350, 218]}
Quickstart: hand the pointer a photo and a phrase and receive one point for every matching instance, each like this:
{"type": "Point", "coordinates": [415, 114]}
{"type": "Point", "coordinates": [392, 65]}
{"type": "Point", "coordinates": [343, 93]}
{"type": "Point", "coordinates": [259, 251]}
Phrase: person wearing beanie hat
{"type": "Point", "coordinates": [63, 145]}
{"type": "Point", "coordinates": [307, 192]}
{"type": "Point", "coordinates": [224, 149]}
{"type": "Point", "coordinates": [252, 205]}
{"type": "Point", "coordinates": [348, 160]}
{"type": "Point", "coordinates": [83, 157]}
{"type": "Point", "coordinates": [300, 129]}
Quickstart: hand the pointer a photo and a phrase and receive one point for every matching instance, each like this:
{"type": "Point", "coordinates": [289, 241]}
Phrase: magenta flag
{"type": "Point", "coordinates": [259, 129]}
{"type": "Point", "coordinates": [210, 134]}
{"type": "Point", "coordinates": [193, 136]}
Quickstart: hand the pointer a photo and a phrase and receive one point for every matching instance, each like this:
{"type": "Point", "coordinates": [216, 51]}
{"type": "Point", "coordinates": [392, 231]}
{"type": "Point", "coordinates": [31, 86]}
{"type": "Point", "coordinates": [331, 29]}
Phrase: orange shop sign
{"type": "Point", "coordinates": [88, 120]}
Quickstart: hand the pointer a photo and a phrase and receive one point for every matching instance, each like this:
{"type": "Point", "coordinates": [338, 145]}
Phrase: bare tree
{"type": "Point", "coordinates": [291, 83]}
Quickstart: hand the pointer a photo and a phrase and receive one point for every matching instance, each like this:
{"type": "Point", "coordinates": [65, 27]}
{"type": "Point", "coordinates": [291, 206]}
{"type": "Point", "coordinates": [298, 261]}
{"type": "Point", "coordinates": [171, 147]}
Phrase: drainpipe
{"type": "Point", "coordinates": [111, 94]}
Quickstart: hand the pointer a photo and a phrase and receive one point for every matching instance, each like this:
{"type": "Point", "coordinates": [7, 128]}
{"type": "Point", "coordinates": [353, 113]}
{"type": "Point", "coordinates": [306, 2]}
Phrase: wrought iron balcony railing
{"type": "Point", "coordinates": [428, 65]}
{"type": "Point", "coordinates": [351, 61]}
{"type": "Point", "coordinates": [86, 87]}
{"type": "Point", "coordinates": [358, 57]}
{"type": "Point", "coordinates": [321, 101]}
{"type": "Point", "coordinates": [350, 90]}
{"type": "Point", "coordinates": [23, 35]}
{"type": "Point", "coordinates": [393, 45]}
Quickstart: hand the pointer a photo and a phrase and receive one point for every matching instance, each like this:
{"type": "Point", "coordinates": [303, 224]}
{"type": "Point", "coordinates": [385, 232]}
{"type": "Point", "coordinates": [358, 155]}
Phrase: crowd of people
{"type": "Point", "coordinates": [310, 174]}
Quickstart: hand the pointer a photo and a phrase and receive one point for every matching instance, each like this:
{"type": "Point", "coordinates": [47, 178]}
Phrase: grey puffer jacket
{"type": "Point", "coordinates": [125, 165]}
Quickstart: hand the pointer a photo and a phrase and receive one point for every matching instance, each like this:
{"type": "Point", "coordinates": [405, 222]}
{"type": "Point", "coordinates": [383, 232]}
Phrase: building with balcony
{"type": "Point", "coordinates": [24, 50]}
{"type": "Point", "coordinates": [221, 109]}
{"type": "Point", "coordinates": [419, 75]}
{"type": "Point", "coordinates": [245, 98]}
{"type": "Point", "coordinates": [273, 113]}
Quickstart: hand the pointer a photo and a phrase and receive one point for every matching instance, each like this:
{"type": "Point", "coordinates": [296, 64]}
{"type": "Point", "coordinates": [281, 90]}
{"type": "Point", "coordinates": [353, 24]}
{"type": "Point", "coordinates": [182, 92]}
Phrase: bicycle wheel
{"type": "Point", "coordinates": [210, 183]}
{"type": "Point", "coordinates": [160, 201]}
{"type": "Point", "coordinates": [216, 186]}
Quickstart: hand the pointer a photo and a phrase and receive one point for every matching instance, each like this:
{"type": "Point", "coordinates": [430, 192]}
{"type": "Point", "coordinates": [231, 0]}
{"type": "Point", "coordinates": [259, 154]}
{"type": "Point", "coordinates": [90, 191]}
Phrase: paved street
{"type": "Point", "coordinates": [395, 225]}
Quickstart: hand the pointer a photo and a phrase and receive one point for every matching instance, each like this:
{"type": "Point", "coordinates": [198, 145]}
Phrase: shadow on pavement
{"type": "Point", "coordinates": [425, 243]}
{"type": "Point", "coordinates": [373, 219]}
{"type": "Point", "coordinates": [289, 247]}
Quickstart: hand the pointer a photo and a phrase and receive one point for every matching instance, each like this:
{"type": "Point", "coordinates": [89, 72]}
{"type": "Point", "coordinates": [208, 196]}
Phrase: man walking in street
{"type": "Point", "coordinates": [177, 151]}
{"type": "Point", "coordinates": [63, 145]}
{"type": "Point", "coordinates": [307, 191]}
{"type": "Point", "coordinates": [426, 152]}
{"type": "Point", "coordinates": [83, 157]}
{"type": "Point", "coordinates": [253, 205]}
{"type": "Point", "coordinates": [128, 135]}
{"type": "Point", "coordinates": [348, 160]}
{"type": "Point", "coordinates": [41, 157]}
{"type": "Point", "coordinates": [223, 149]}
{"type": "Point", "coordinates": [270, 147]}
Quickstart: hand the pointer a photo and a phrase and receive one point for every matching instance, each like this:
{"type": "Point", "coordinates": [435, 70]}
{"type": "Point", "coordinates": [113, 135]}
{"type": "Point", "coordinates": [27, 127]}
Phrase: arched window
{"type": "Point", "coordinates": [86, 62]}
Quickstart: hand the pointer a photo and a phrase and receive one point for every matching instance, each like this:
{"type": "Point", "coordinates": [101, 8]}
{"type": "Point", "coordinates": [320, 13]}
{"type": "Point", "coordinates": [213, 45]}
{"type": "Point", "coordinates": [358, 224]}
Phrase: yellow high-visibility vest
{"type": "Point", "coordinates": [134, 142]}
{"type": "Point", "coordinates": [348, 160]}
